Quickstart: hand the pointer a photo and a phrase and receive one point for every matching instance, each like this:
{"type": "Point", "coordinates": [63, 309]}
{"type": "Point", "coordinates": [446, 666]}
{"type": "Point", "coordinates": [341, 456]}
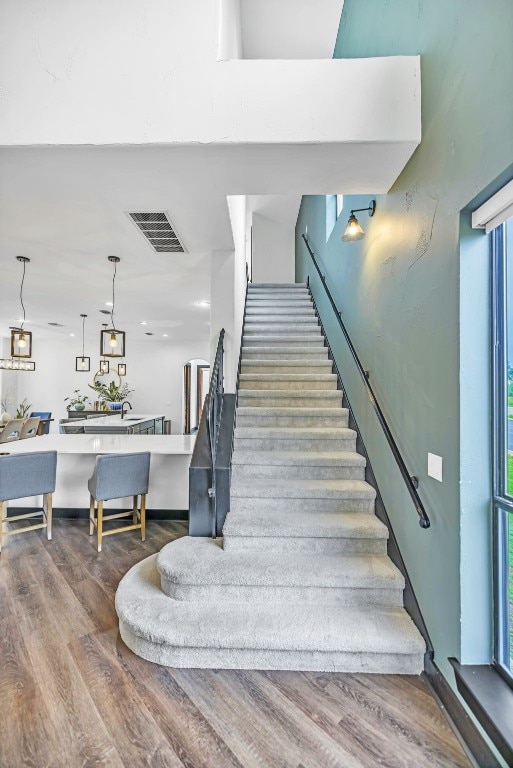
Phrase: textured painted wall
{"type": "Point", "coordinates": [399, 288]}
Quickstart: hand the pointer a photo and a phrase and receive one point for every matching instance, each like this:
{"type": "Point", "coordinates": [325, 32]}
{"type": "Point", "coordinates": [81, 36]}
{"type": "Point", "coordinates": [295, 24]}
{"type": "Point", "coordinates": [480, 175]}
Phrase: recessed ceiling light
{"type": "Point", "coordinates": [108, 303]}
{"type": "Point", "coordinates": [143, 322]}
{"type": "Point", "coordinates": [72, 334]}
{"type": "Point", "coordinates": [202, 303]}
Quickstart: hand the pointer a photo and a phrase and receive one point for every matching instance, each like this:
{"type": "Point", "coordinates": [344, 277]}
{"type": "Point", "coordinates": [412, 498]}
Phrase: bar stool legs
{"type": "Point", "coordinates": [96, 519]}
{"type": "Point", "coordinates": [47, 519]}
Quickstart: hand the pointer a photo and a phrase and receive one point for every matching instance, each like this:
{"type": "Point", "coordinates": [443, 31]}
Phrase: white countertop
{"type": "Point", "coordinates": [111, 421]}
{"type": "Point", "coordinates": [170, 445]}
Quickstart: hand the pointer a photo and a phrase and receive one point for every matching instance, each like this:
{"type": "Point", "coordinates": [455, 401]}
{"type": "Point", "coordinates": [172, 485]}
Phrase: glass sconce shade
{"type": "Point", "coordinates": [353, 230]}
{"type": "Point", "coordinates": [121, 369]}
{"type": "Point", "coordinates": [104, 366]}
{"type": "Point", "coordinates": [112, 343]}
{"type": "Point", "coordinates": [82, 363]}
{"type": "Point", "coordinates": [21, 343]}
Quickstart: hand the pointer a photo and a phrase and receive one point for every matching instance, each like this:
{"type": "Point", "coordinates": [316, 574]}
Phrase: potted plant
{"type": "Point", "coordinates": [76, 401]}
{"type": "Point", "coordinates": [113, 394]}
{"type": "Point", "coordinates": [5, 403]}
{"type": "Point", "coordinates": [22, 409]}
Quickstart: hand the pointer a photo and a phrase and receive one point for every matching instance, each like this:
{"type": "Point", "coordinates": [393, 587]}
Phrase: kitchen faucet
{"type": "Point", "coordinates": [125, 402]}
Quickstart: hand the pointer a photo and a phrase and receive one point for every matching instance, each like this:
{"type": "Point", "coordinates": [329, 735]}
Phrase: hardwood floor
{"type": "Point", "coordinates": [72, 694]}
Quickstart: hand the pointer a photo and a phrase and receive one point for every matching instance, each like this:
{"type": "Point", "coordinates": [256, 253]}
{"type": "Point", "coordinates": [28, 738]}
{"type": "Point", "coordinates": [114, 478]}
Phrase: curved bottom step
{"type": "Point", "coordinates": [262, 636]}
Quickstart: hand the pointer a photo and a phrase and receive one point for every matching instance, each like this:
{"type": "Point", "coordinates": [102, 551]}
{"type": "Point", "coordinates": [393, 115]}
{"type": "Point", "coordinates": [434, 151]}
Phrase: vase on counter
{"type": "Point", "coordinates": [79, 407]}
{"type": "Point", "coordinates": [6, 417]}
{"type": "Point", "coordinates": [114, 406]}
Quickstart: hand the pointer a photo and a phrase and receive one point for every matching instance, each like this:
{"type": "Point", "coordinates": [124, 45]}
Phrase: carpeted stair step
{"type": "Point", "coordinates": [282, 352]}
{"type": "Point", "coordinates": [279, 327]}
{"type": "Point", "coordinates": [262, 636]}
{"type": "Point", "coordinates": [306, 398]}
{"type": "Point", "coordinates": [291, 417]}
{"type": "Point", "coordinates": [294, 439]}
{"type": "Point", "coordinates": [268, 320]}
{"type": "Point", "coordinates": [320, 465]}
{"type": "Point", "coordinates": [263, 312]}
{"type": "Point", "coordinates": [320, 365]}
{"type": "Point", "coordinates": [293, 381]}
{"type": "Point", "coordinates": [305, 495]}
{"type": "Point", "coordinates": [297, 341]}
{"type": "Point", "coordinates": [330, 532]}
{"type": "Point", "coordinates": [196, 569]}
{"type": "Point", "coordinates": [280, 286]}
{"type": "Point", "coordinates": [270, 304]}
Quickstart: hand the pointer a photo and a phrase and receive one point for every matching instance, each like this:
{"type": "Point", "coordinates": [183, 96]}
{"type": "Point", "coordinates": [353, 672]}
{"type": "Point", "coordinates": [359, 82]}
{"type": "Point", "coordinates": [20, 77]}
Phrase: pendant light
{"type": "Point", "coordinates": [83, 363]}
{"type": "Point", "coordinates": [104, 364]}
{"type": "Point", "coordinates": [353, 230]}
{"type": "Point", "coordinates": [21, 340]}
{"type": "Point", "coordinates": [121, 369]}
{"type": "Point", "coordinates": [112, 340]}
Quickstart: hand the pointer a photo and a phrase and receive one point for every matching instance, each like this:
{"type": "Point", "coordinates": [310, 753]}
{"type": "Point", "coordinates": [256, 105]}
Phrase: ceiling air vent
{"type": "Point", "coordinates": [57, 325]}
{"type": "Point", "coordinates": [158, 230]}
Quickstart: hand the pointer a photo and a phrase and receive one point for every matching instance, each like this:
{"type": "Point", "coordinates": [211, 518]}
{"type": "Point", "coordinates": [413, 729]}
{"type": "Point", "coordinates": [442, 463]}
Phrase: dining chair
{"type": "Point", "coordinates": [11, 431]}
{"type": "Point", "coordinates": [43, 415]}
{"type": "Point", "coordinates": [23, 475]}
{"type": "Point", "coordinates": [116, 476]}
{"type": "Point", "coordinates": [30, 427]}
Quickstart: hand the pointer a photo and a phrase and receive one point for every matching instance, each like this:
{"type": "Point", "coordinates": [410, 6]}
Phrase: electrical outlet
{"type": "Point", "coordinates": [435, 466]}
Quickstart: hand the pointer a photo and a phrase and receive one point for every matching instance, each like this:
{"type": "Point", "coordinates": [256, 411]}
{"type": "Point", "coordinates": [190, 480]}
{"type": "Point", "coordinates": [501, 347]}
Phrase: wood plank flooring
{"type": "Point", "coordinates": [72, 694]}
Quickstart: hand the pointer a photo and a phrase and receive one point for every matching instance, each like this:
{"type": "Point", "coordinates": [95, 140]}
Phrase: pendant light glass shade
{"type": "Point", "coordinates": [83, 363]}
{"type": "Point", "coordinates": [353, 230]}
{"type": "Point", "coordinates": [121, 369]}
{"type": "Point", "coordinates": [112, 340]}
{"type": "Point", "coordinates": [104, 366]}
{"type": "Point", "coordinates": [21, 343]}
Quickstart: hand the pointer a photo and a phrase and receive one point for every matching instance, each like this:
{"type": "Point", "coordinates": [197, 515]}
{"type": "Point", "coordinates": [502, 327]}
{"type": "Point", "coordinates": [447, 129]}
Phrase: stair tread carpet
{"type": "Point", "coordinates": [147, 612]}
{"type": "Point", "coordinates": [302, 489]}
{"type": "Point", "coordinates": [305, 525]}
{"type": "Point", "coordinates": [204, 561]}
{"type": "Point", "coordinates": [300, 458]}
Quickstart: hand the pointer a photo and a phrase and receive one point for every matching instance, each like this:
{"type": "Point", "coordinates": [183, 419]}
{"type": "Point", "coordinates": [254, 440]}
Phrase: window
{"type": "Point", "coordinates": [502, 248]}
{"type": "Point", "coordinates": [340, 204]}
{"type": "Point", "coordinates": [334, 205]}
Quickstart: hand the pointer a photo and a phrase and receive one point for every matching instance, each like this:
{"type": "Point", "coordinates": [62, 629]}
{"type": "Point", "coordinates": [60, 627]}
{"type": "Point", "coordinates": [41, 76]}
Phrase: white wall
{"type": "Point", "coordinates": [159, 81]}
{"type": "Point", "coordinates": [289, 29]}
{"type": "Point", "coordinates": [229, 43]}
{"type": "Point", "coordinates": [228, 292]}
{"type": "Point", "coordinates": [154, 372]}
{"type": "Point", "coordinates": [273, 251]}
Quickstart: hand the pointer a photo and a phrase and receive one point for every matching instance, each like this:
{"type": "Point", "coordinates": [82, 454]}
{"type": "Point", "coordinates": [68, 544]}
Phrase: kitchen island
{"type": "Point", "coordinates": [169, 470]}
{"type": "Point", "coordinates": [130, 424]}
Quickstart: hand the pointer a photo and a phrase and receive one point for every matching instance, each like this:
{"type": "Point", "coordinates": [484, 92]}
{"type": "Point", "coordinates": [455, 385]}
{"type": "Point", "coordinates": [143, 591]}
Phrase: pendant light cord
{"type": "Point", "coordinates": [83, 332]}
{"type": "Point", "coordinates": [21, 294]}
{"type": "Point", "coordinates": [113, 295]}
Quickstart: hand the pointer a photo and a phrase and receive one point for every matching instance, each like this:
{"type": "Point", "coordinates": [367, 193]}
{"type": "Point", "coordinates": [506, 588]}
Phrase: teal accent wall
{"type": "Point", "coordinates": [399, 290]}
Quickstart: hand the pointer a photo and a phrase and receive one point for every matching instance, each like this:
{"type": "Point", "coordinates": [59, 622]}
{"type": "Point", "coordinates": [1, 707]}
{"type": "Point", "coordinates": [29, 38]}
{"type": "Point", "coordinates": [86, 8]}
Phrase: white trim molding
{"type": "Point", "coordinates": [495, 211]}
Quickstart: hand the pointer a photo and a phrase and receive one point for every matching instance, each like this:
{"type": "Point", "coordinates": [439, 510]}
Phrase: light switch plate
{"type": "Point", "coordinates": [435, 466]}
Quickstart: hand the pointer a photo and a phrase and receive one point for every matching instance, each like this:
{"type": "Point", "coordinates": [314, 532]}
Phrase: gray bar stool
{"type": "Point", "coordinates": [27, 474]}
{"type": "Point", "coordinates": [116, 476]}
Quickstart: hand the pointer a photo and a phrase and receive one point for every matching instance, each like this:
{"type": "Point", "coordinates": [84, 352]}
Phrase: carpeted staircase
{"type": "Point", "coordinates": [301, 579]}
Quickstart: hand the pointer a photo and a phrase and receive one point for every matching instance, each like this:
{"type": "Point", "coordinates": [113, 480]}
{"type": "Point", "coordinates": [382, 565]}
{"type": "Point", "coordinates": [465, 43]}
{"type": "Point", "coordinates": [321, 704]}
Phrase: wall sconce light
{"type": "Point", "coordinates": [353, 230]}
{"type": "Point", "coordinates": [83, 363]}
{"type": "Point", "coordinates": [112, 340]}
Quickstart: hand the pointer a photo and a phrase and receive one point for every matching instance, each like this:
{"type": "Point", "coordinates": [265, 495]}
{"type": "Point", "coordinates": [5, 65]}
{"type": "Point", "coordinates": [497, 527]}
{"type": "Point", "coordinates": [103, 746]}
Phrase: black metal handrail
{"type": "Point", "coordinates": [410, 480]}
{"type": "Point", "coordinates": [214, 408]}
